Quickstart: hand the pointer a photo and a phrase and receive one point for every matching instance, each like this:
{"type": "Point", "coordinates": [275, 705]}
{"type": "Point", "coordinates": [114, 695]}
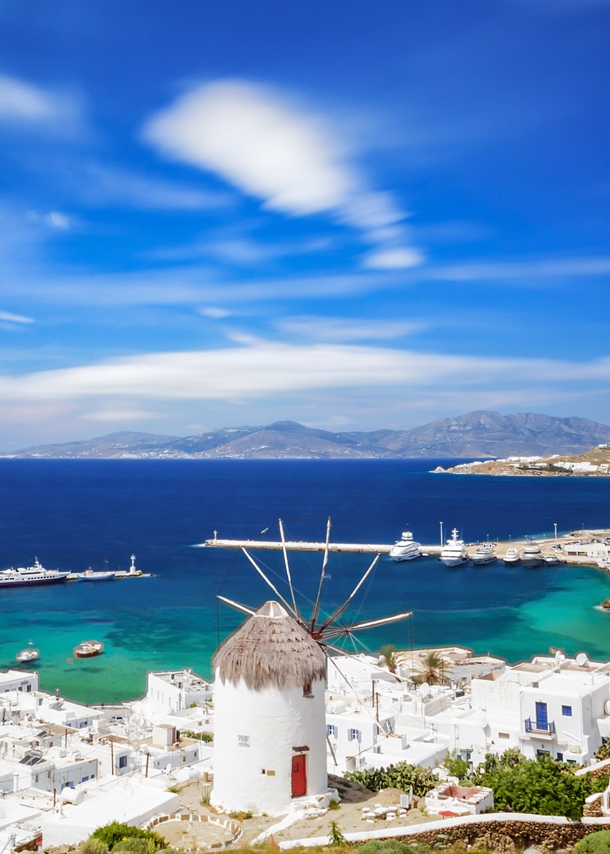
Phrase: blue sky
{"type": "Point", "coordinates": [352, 215]}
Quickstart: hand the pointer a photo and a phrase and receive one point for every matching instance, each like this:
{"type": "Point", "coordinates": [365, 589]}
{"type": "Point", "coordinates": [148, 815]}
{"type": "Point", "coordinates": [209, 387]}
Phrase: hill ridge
{"type": "Point", "coordinates": [479, 434]}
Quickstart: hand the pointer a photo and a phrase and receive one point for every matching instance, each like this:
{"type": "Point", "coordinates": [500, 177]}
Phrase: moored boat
{"type": "Point", "coordinates": [454, 552]}
{"type": "Point", "coordinates": [88, 649]}
{"type": "Point", "coordinates": [90, 575]}
{"type": "Point", "coordinates": [28, 576]}
{"type": "Point", "coordinates": [531, 555]}
{"type": "Point", "coordinates": [484, 554]}
{"type": "Point", "coordinates": [406, 548]}
{"type": "Point", "coordinates": [550, 559]}
{"type": "Point", "coordinates": [512, 556]}
{"type": "Point", "coordinates": [28, 655]}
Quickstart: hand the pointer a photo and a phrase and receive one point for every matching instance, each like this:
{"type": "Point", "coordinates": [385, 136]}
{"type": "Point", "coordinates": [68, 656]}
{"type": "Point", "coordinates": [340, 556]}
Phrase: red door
{"type": "Point", "coordinates": [299, 776]}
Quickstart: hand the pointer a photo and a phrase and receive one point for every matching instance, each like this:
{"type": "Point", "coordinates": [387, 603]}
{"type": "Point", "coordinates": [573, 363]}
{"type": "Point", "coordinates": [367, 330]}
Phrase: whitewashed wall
{"type": "Point", "coordinates": [255, 734]}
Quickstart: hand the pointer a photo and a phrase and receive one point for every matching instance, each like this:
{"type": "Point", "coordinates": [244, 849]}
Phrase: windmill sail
{"type": "Point", "coordinates": [328, 629]}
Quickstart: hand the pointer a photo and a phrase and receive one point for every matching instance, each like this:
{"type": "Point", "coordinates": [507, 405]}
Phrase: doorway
{"type": "Point", "coordinates": [299, 775]}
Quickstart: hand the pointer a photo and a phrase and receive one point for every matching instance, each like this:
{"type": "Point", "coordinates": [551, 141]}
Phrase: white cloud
{"type": "Point", "coordinates": [537, 269]}
{"type": "Point", "coordinates": [214, 312]}
{"type": "Point", "coordinates": [119, 415]}
{"type": "Point", "coordinates": [261, 369]}
{"type": "Point", "coordinates": [269, 149]}
{"type": "Point", "coordinates": [57, 220]}
{"type": "Point", "coordinates": [108, 186]}
{"type": "Point", "coordinates": [340, 329]}
{"type": "Point", "coordinates": [9, 317]}
{"type": "Point", "coordinates": [24, 104]}
{"type": "Point", "coordinates": [393, 259]}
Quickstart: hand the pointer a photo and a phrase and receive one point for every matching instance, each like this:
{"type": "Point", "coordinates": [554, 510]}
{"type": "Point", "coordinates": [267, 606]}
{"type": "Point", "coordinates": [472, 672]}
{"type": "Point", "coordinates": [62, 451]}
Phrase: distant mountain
{"type": "Point", "coordinates": [477, 435]}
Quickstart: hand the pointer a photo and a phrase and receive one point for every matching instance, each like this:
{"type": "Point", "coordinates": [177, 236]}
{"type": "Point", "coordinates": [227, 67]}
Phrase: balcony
{"type": "Point", "coordinates": [537, 729]}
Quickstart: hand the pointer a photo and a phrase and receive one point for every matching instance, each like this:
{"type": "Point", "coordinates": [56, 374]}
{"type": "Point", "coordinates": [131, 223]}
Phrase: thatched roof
{"type": "Point", "coordinates": [270, 649]}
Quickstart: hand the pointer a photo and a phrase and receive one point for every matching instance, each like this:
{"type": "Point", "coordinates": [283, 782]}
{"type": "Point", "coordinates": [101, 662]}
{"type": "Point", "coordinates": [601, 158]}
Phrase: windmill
{"type": "Point", "coordinates": [324, 630]}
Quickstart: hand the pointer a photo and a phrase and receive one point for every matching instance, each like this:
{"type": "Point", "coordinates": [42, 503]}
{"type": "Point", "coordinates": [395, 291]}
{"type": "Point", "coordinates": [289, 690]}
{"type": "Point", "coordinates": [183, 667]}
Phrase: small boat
{"type": "Point", "coordinates": [28, 576]}
{"type": "Point", "coordinates": [90, 575]}
{"type": "Point", "coordinates": [88, 649]}
{"type": "Point", "coordinates": [28, 655]}
{"type": "Point", "coordinates": [550, 559]}
{"type": "Point", "coordinates": [405, 548]}
{"type": "Point", "coordinates": [512, 556]}
{"type": "Point", "coordinates": [531, 555]}
{"type": "Point", "coordinates": [454, 553]}
{"type": "Point", "coordinates": [484, 554]}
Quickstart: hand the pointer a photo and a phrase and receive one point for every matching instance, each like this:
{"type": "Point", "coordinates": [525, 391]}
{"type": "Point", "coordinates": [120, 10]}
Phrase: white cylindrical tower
{"type": "Point", "coordinates": [270, 726]}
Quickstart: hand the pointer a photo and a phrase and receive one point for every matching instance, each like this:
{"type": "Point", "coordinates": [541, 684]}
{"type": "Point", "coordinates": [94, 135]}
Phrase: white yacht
{"type": "Point", "coordinates": [484, 554]}
{"type": "Point", "coordinates": [511, 558]}
{"type": "Point", "coordinates": [454, 552]}
{"type": "Point", "coordinates": [531, 555]}
{"type": "Point", "coordinates": [405, 548]}
{"type": "Point", "coordinates": [26, 576]}
{"type": "Point", "coordinates": [551, 559]}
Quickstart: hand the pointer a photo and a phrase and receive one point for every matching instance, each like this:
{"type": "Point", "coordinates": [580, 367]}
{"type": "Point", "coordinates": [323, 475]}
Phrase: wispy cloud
{"type": "Point", "coordinates": [106, 185]}
{"type": "Point", "coordinates": [262, 369]}
{"type": "Point", "coordinates": [9, 317]}
{"type": "Point", "coordinates": [341, 329]}
{"type": "Point", "coordinates": [270, 149]}
{"type": "Point", "coordinates": [26, 105]}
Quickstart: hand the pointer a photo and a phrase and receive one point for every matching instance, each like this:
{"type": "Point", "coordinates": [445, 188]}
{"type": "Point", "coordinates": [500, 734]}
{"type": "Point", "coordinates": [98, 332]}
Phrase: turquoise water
{"type": "Point", "coordinates": [75, 514]}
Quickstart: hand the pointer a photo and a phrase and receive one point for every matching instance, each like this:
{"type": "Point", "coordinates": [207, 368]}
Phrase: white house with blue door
{"type": "Point", "coordinates": [553, 705]}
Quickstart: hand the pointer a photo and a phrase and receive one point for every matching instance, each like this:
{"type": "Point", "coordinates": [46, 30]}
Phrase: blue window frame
{"type": "Point", "coordinates": [354, 735]}
{"type": "Point", "coordinates": [559, 757]}
{"type": "Point", "coordinates": [122, 761]}
{"type": "Point", "coordinates": [332, 729]}
{"type": "Point", "coordinates": [566, 711]}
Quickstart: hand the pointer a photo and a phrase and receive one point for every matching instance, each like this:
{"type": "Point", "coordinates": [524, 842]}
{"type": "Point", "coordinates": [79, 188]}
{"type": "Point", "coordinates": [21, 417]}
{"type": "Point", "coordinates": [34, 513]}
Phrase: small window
{"type": "Point", "coordinates": [503, 735]}
{"type": "Point", "coordinates": [354, 735]}
{"type": "Point", "coordinates": [332, 729]}
{"type": "Point", "coordinates": [123, 761]}
{"type": "Point", "coordinates": [559, 757]}
{"type": "Point", "coordinates": [307, 690]}
{"type": "Point", "coordinates": [566, 711]}
{"type": "Point", "coordinates": [243, 741]}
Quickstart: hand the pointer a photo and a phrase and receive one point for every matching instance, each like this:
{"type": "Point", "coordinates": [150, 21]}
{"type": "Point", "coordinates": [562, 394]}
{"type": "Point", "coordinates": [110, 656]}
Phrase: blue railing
{"type": "Point", "coordinates": [539, 727]}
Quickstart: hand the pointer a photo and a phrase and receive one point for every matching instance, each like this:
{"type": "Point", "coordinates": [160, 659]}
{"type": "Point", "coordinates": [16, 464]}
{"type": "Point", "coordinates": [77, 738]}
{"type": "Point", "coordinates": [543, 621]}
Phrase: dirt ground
{"type": "Point", "coordinates": [186, 835]}
{"type": "Point", "coordinates": [348, 815]}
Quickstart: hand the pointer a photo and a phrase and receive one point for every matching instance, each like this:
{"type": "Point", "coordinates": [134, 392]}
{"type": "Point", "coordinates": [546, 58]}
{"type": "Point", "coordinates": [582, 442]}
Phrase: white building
{"type": "Point", "coordinates": [270, 733]}
{"type": "Point", "coordinates": [170, 691]}
{"type": "Point", "coordinates": [18, 680]}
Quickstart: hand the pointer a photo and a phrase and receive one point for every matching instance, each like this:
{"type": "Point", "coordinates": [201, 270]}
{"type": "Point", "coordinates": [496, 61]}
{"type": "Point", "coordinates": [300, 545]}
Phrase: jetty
{"type": "Point", "coordinates": [296, 546]}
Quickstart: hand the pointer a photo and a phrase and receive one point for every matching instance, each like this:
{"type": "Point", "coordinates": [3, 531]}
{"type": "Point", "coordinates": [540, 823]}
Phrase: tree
{"type": "Point", "coordinates": [432, 670]}
{"type": "Point", "coordinates": [389, 658]}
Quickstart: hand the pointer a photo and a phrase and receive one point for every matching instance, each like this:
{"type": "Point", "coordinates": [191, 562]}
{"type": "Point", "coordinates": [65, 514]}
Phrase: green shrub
{"type": "Point", "coordinates": [200, 736]}
{"type": "Point", "coordinates": [456, 767]}
{"type": "Point", "coordinates": [541, 786]}
{"type": "Point", "coordinates": [594, 843]}
{"type": "Point", "coordinates": [93, 846]}
{"type": "Point", "coordinates": [385, 846]}
{"type": "Point", "coordinates": [133, 845]}
{"type": "Point", "coordinates": [401, 776]}
{"type": "Point", "coordinates": [603, 752]}
{"type": "Point", "coordinates": [111, 834]}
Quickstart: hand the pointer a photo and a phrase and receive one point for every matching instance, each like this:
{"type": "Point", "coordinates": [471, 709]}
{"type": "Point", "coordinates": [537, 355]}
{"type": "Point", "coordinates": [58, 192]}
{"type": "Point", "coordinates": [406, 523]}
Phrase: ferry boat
{"type": "Point", "coordinates": [405, 548]}
{"type": "Point", "coordinates": [454, 552]}
{"type": "Point", "coordinates": [531, 555]}
{"type": "Point", "coordinates": [28, 655]}
{"type": "Point", "coordinates": [29, 575]}
{"type": "Point", "coordinates": [90, 575]}
{"type": "Point", "coordinates": [88, 649]}
{"type": "Point", "coordinates": [511, 558]}
{"type": "Point", "coordinates": [484, 554]}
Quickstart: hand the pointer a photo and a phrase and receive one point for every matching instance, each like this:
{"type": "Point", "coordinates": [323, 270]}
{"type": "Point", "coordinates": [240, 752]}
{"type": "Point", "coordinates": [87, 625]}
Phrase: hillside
{"type": "Point", "coordinates": [482, 435]}
{"type": "Point", "coordinates": [593, 463]}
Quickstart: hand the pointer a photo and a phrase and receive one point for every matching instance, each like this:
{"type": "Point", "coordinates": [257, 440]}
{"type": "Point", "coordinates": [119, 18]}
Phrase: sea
{"type": "Point", "coordinates": [73, 514]}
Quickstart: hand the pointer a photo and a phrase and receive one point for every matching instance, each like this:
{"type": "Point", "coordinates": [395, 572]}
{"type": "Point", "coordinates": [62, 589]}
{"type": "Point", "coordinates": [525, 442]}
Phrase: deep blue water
{"type": "Point", "coordinates": [73, 514]}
